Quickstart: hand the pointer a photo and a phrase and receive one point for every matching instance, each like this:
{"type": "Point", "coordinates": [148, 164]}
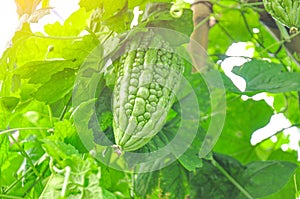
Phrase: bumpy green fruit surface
{"type": "Point", "coordinates": [286, 12]}
{"type": "Point", "coordinates": [149, 74]}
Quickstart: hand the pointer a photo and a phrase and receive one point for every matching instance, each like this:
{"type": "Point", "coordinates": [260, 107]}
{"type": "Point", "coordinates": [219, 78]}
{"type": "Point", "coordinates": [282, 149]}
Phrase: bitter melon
{"type": "Point", "coordinates": [149, 74]}
{"type": "Point", "coordinates": [286, 12]}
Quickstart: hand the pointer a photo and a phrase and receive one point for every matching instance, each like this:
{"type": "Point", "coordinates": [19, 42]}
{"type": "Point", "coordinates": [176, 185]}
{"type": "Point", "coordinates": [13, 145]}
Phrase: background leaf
{"type": "Point", "coordinates": [265, 76]}
{"type": "Point", "coordinates": [265, 178]}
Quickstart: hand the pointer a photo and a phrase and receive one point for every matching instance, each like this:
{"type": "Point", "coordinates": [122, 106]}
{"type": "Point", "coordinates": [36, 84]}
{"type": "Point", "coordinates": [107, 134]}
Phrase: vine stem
{"type": "Point", "coordinates": [231, 179]}
{"type": "Point", "coordinates": [8, 196]}
{"type": "Point", "coordinates": [280, 42]}
{"type": "Point", "coordinates": [296, 188]}
{"type": "Point", "coordinates": [20, 129]}
{"type": "Point", "coordinates": [66, 182]}
{"type": "Point", "coordinates": [22, 151]}
{"type": "Point", "coordinates": [27, 173]}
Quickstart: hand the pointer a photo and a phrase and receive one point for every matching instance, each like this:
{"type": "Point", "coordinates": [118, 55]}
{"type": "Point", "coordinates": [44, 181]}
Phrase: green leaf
{"type": "Point", "coordinates": [190, 159]}
{"type": "Point", "coordinates": [146, 183]}
{"type": "Point", "coordinates": [120, 22]}
{"type": "Point", "coordinates": [9, 167]}
{"type": "Point", "coordinates": [66, 132]}
{"type": "Point", "coordinates": [57, 87]}
{"type": "Point", "coordinates": [288, 104]}
{"type": "Point", "coordinates": [115, 181]}
{"type": "Point", "coordinates": [90, 4]}
{"type": "Point", "coordinates": [265, 178]}
{"type": "Point", "coordinates": [133, 3]}
{"type": "Point", "coordinates": [108, 194]}
{"type": "Point", "coordinates": [59, 151]}
{"type": "Point", "coordinates": [105, 120]}
{"type": "Point", "coordinates": [264, 76]}
{"type": "Point", "coordinates": [72, 26]}
{"type": "Point", "coordinates": [257, 179]}
{"type": "Point", "coordinates": [63, 129]}
{"type": "Point", "coordinates": [173, 181]}
{"type": "Point", "coordinates": [9, 103]}
{"type": "Point", "coordinates": [289, 190]}
{"type": "Point", "coordinates": [80, 49]}
{"type": "Point", "coordinates": [158, 15]}
{"type": "Point", "coordinates": [206, 181]}
{"type": "Point", "coordinates": [53, 187]}
{"type": "Point", "coordinates": [110, 10]}
{"type": "Point", "coordinates": [41, 71]}
{"type": "Point", "coordinates": [242, 119]}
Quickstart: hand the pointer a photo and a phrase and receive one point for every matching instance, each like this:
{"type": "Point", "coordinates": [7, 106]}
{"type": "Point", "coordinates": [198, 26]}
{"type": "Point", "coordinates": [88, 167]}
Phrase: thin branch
{"type": "Point", "coordinates": [12, 197]}
{"type": "Point", "coordinates": [39, 178]}
{"type": "Point", "coordinates": [22, 129]}
{"type": "Point", "coordinates": [261, 44]}
{"type": "Point", "coordinates": [26, 155]}
{"type": "Point", "coordinates": [231, 179]}
{"type": "Point", "coordinates": [281, 41]}
{"type": "Point", "coordinates": [296, 186]}
{"type": "Point", "coordinates": [62, 115]}
{"type": "Point", "coordinates": [226, 32]}
{"type": "Point", "coordinates": [27, 173]}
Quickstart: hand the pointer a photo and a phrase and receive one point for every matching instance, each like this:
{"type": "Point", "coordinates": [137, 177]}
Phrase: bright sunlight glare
{"type": "Point", "coordinates": [9, 20]}
{"type": "Point", "coordinates": [62, 9]}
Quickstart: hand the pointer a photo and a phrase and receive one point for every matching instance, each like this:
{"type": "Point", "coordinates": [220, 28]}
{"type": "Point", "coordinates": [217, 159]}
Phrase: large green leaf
{"type": "Point", "coordinates": [255, 180]}
{"type": "Point", "coordinates": [265, 178]}
{"type": "Point", "coordinates": [90, 4]}
{"type": "Point", "coordinates": [288, 104]}
{"type": "Point", "coordinates": [146, 183]}
{"type": "Point", "coordinates": [57, 87]}
{"type": "Point", "coordinates": [41, 71]}
{"type": "Point", "coordinates": [209, 182]}
{"type": "Point", "coordinates": [289, 190]}
{"type": "Point", "coordinates": [171, 180]}
{"type": "Point", "coordinates": [265, 76]}
{"type": "Point", "coordinates": [242, 119]}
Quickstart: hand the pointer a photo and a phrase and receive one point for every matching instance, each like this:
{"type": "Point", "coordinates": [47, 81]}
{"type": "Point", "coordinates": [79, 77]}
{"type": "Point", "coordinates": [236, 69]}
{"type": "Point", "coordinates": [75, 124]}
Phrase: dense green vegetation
{"type": "Point", "coordinates": [56, 112]}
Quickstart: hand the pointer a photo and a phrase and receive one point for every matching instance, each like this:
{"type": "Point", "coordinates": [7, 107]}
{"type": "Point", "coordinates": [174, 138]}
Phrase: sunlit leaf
{"type": "Point", "coordinates": [265, 76]}
{"type": "Point", "coordinates": [57, 87]}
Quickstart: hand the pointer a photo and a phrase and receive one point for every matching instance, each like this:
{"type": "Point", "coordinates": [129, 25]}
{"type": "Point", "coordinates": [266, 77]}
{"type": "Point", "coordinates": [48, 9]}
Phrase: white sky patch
{"type": "Point", "coordinates": [136, 14]}
{"type": "Point", "coordinates": [62, 9]}
{"type": "Point", "coordinates": [10, 19]}
{"type": "Point", "coordinates": [260, 96]}
{"type": "Point", "coordinates": [189, 1]}
{"type": "Point", "coordinates": [277, 123]}
{"type": "Point", "coordinates": [255, 30]}
{"type": "Point", "coordinates": [238, 53]}
{"type": "Point", "coordinates": [8, 23]}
